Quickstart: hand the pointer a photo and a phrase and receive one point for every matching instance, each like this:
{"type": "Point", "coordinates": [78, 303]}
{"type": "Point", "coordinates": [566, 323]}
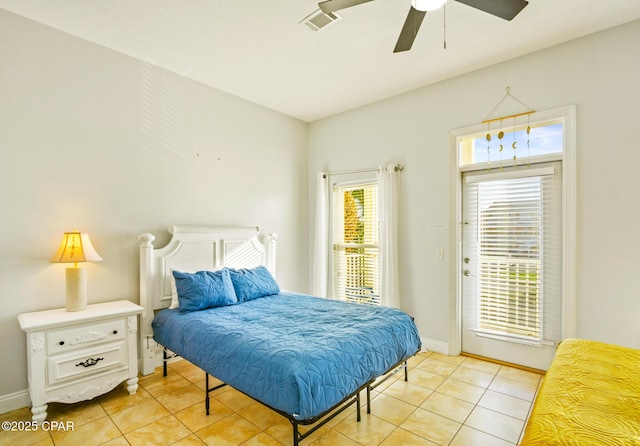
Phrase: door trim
{"type": "Point", "coordinates": [569, 190]}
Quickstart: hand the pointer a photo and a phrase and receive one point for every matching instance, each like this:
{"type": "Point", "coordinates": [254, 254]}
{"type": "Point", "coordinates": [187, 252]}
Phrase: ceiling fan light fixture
{"type": "Point", "coordinates": [428, 5]}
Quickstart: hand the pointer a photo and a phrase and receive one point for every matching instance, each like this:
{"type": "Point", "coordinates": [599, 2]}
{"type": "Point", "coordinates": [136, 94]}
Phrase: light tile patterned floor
{"type": "Point", "coordinates": [448, 401]}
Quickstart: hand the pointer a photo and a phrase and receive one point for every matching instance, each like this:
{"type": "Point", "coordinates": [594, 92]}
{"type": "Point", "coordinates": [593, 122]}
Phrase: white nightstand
{"type": "Point", "coordinates": [76, 356]}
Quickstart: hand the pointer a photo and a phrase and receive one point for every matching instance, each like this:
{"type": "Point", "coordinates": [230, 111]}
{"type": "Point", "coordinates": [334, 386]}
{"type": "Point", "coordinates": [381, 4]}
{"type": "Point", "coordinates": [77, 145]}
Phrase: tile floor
{"type": "Point", "coordinates": [447, 401]}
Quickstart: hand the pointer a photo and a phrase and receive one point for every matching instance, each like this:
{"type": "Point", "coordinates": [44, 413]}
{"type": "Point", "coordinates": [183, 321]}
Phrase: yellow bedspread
{"type": "Point", "coordinates": [590, 396]}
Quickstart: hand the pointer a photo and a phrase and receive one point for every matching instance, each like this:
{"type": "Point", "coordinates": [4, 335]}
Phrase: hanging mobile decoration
{"type": "Point", "coordinates": [500, 136]}
{"type": "Point", "coordinates": [488, 147]}
{"type": "Point", "coordinates": [514, 145]}
{"type": "Point", "coordinates": [528, 141]}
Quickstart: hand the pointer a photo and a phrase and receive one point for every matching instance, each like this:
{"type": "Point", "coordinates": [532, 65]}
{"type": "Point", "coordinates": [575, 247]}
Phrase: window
{"type": "Point", "coordinates": [527, 143]}
{"type": "Point", "coordinates": [355, 242]}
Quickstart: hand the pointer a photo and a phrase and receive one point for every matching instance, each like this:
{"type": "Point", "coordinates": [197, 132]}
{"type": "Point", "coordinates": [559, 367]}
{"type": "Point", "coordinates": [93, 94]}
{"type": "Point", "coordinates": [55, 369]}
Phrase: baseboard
{"type": "Point", "coordinates": [14, 401]}
{"type": "Point", "coordinates": [505, 363]}
{"type": "Point", "coordinates": [432, 345]}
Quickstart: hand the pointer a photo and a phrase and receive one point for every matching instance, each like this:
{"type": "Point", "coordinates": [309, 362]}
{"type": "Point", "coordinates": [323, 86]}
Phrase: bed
{"type": "Point", "coordinates": [305, 357]}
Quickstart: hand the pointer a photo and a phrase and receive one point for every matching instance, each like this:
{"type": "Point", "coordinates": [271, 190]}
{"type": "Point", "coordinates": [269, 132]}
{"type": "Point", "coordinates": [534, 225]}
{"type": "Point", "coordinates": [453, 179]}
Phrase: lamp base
{"type": "Point", "coordinates": [76, 299]}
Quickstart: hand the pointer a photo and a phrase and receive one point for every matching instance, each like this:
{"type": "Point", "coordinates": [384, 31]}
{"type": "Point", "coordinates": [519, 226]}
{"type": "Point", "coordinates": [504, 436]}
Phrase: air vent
{"type": "Point", "coordinates": [319, 19]}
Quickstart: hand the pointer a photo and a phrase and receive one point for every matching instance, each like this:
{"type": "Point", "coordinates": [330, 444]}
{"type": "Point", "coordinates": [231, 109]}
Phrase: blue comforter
{"type": "Point", "coordinates": [296, 353]}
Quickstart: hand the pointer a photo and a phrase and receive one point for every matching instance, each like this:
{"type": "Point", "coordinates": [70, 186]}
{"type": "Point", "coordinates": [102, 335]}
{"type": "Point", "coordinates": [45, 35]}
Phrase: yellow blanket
{"type": "Point", "coordinates": [590, 396]}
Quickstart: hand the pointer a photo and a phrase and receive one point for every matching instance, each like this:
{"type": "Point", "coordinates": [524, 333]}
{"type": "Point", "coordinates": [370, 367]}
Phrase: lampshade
{"type": "Point", "coordinates": [428, 5]}
{"type": "Point", "coordinates": [76, 247]}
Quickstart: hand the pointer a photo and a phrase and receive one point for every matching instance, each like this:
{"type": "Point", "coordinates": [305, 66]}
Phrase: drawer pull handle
{"type": "Point", "coordinates": [89, 362]}
{"type": "Point", "coordinates": [61, 342]}
{"type": "Point", "coordinates": [115, 332]}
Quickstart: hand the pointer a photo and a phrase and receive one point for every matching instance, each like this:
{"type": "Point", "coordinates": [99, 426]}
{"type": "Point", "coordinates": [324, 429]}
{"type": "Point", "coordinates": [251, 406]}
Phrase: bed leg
{"type": "Point", "coordinates": [368, 399]}
{"type": "Point", "coordinates": [206, 385]}
{"type": "Point", "coordinates": [406, 371]}
{"type": "Point", "coordinates": [164, 362]}
{"type": "Point", "coordinates": [294, 423]}
{"type": "Point", "coordinates": [358, 418]}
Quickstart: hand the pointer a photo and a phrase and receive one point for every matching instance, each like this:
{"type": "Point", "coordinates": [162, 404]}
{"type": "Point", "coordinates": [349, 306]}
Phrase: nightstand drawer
{"type": "Point", "coordinates": [83, 336]}
{"type": "Point", "coordinates": [86, 362]}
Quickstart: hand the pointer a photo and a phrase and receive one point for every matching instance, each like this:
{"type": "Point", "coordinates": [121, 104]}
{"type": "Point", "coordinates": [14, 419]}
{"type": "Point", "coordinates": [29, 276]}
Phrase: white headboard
{"type": "Point", "coordinates": [194, 248]}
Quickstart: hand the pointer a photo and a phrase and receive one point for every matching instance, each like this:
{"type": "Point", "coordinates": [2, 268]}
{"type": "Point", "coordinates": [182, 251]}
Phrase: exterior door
{"type": "Point", "coordinates": [512, 263]}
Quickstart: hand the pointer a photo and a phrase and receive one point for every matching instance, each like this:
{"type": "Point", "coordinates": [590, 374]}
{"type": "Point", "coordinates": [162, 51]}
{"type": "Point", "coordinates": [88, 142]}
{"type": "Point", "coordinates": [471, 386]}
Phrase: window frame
{"type": "Point", "coordinates": [337, 189]}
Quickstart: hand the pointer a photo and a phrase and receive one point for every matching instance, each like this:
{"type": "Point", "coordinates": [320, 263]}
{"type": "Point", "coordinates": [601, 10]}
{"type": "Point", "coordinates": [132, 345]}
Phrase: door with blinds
{"type": "Point", "coordinates": [512, 263]}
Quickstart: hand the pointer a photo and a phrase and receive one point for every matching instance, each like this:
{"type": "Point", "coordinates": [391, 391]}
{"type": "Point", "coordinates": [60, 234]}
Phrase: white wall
{"type": "Point", "coordinates": [95, 140]}
{"type": "Point", "coordinates": [599, 74]}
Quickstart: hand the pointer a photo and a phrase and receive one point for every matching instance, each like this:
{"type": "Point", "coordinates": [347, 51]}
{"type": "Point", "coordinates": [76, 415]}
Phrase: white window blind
{"type": "Point", "coordinates": [355, 242]}
{"type": "Point", "coordinates": [518, 252]}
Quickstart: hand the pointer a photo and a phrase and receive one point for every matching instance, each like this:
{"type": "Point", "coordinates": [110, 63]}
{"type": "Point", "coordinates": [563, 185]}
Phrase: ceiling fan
{"type": "Point", "coordinates": [505, 9]}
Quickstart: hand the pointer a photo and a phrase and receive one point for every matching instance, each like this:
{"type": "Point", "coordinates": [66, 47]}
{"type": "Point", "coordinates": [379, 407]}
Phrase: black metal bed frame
{"type": "Point", "coordinates": [324, 417]}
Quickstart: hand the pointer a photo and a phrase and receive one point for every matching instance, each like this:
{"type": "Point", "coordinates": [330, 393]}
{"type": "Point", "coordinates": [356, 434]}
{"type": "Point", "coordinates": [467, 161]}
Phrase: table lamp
{"type": "Point", "coordinates": [76, 248]}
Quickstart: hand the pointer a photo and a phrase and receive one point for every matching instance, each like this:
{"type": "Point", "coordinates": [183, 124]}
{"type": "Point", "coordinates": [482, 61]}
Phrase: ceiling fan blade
{"type": "Point", "coordinates": [409, 30]}
{"type": "Point", "coordinates": [505, 9]}
{"type": "Point", "coordinates": [335, 5]}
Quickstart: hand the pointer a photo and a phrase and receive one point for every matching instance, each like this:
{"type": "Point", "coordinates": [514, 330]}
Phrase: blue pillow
{"type": "Point", "coordinates": [204, 289]}
{"type": "Point", "coordinates": [253, 283]}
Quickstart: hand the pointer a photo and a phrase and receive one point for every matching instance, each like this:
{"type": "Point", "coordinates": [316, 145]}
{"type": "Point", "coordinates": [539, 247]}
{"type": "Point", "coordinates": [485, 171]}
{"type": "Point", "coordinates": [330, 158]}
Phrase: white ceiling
{"type": "Point", "coordinates": [258, 50]}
